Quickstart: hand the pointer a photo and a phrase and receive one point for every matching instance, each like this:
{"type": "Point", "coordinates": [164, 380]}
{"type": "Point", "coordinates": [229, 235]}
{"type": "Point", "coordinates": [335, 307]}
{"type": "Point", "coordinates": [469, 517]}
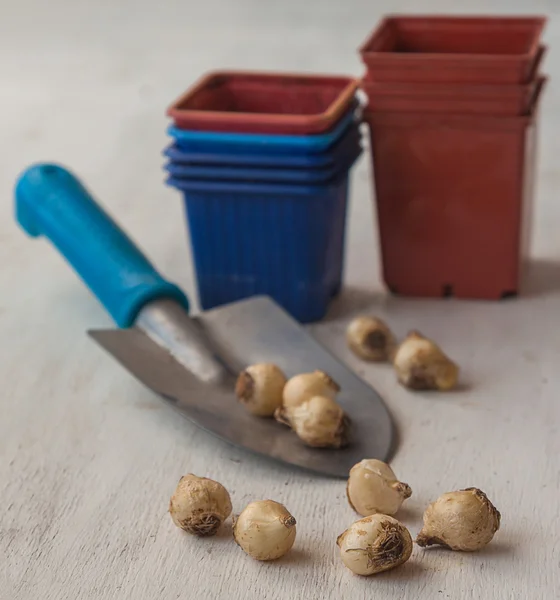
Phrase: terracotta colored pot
{"type": "Point", "coordinates": [280, 103]}
{"type": "Point", "coordinates": [454, 98]}
{"type": "Point", "coordinates": [453, 49]}
{"type": "Point", "coordinates": [453, 197]}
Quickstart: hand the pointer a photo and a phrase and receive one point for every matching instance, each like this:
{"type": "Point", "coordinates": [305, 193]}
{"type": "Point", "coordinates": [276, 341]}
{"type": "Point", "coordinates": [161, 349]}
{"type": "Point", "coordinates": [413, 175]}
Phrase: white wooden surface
{"type": "Point", "coordinates": [88, 458]}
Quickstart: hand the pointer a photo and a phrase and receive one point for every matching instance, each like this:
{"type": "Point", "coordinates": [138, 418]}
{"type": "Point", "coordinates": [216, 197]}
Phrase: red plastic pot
{"type": "Point", "coordinates": [491, 50]}
{"type": "Point", "coordinates": [453, 98]}
{"type": "Point", "coordinates": [453, 197]}
{"type": "Point", "coordinates": [264, 103]}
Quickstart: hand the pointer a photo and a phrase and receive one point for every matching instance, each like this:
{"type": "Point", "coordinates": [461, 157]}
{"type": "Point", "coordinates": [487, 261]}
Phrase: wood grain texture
{"type": "Point", "coordinates": [88, 458]}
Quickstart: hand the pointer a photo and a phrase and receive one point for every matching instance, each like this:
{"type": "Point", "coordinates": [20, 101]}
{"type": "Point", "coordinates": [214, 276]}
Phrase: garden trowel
{"type": "Point", "coordinates": [193, 362]}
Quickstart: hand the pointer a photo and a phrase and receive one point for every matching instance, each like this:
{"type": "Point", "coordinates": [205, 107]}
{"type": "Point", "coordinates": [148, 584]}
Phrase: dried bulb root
{"type": "Point", "coordinates": [375, 544]}
{"type": "Point", "coordinates": [302, 387]}
{"type": "Point", "coordinates": [319, 422]}
{"type": "Point", "coordinates": [265, 530]}
{"type": "Point", "coordinates": [373, 488]}
{"type": "Point", "coordinates": [465, 520]}
{"type": "Point", "coordinates": [259, 388]}
{"type": "Point", "coordinates": [370, 339]}
{"type": "Point", "coordinates": [199, 505]}
{"type": "Point", "coordinates": [420, 364]}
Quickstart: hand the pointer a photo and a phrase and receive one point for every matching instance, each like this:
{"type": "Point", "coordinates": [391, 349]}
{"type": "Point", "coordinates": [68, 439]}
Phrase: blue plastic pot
{"type": "Point", "coordinates": [328, 158]}
{"type": "Point", "coordinates": [271, 144]}
{"type": "Point", "coordinates": [285, 241]}
{"type": "Point", "coordinates": [264, 175]}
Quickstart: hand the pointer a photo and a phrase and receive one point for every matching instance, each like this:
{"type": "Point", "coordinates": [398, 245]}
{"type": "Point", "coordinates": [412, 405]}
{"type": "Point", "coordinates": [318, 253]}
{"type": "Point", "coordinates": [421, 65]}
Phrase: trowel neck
{"type": "Point", "coordinates": [167, 323]}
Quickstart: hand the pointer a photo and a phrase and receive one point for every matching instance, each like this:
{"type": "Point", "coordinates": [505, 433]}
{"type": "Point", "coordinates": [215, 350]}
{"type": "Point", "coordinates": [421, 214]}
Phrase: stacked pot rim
{"type": "Point", "coordinates": [263, 160]}
{"type": "Point", "coordinates": [452, 111]}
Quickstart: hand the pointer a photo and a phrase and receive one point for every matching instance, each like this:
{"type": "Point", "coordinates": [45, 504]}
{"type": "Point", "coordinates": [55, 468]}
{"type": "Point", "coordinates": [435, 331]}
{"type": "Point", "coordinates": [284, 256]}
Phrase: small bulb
{"type": "Point", "coordinates": [464, 520]}
{"type": "Point", "coordinates": [370, 339]}
{"type": "Point", "coordinates": [199, 505]}
{"type": "Point", "coordinates": [319, 422]}
{"type": "Point", "coordinates": [374, 544]}
{"type": "Point", "coordinates": [373, 488]}
{"type": "Point", "coordinates": [259, 387]}
{"type": "Point", "coordinates": [421, 365]}
{"type": "Point", "coordinates": [306, 385]}
{"type": "Point", "coordinates": [265, 530]}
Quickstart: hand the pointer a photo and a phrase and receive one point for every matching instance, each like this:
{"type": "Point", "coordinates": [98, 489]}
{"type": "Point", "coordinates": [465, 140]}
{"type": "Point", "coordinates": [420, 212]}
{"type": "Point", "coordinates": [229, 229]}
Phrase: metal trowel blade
{"type": "Point", "coordinates": [243, 333]}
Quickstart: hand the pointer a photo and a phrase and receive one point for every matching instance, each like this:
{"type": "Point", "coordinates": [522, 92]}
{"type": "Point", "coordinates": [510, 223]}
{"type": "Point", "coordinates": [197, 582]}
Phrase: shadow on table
{"type": "Point", "coordinates": [493, 549]}
{"type": "Point", "coordinates": [410, 571]}
{"type": "Point", "coordinates": [541, 278]}
{"type": "Point", "coordinates": [352, 301]}
{"type": "Point", "coordinates": [295, 556]}
{"type": "Point", "coordinates": [225, 532]}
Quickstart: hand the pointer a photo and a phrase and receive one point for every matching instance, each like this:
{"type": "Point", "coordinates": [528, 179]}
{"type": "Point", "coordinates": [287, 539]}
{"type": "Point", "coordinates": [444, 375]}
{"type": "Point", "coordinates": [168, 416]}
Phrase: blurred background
{"type": "Point", "coordinates": [87, 84]}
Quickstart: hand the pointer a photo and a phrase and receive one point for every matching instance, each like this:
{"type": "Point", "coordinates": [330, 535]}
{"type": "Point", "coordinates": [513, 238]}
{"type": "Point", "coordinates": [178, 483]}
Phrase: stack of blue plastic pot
{"type": "Point", "coordinates": [263, 162]}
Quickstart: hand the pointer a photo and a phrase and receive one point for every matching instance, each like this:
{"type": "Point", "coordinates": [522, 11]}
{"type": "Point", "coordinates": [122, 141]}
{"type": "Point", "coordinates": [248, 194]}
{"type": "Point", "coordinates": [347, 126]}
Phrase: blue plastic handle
{"type": "Point", "coordinates": [50, 201]}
